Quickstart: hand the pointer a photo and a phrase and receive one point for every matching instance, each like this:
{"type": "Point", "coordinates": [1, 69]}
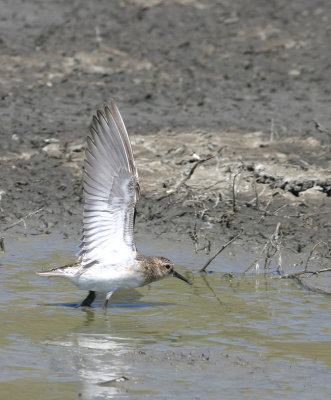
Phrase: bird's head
{"type": "Point", "coordinates": [166, 268]}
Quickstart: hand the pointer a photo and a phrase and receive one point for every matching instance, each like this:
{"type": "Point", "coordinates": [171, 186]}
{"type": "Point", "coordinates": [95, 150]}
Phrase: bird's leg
{"type": "Point", "coordinates": [108, 296]}
{"type": "Point", "coordinates": [89, 299]}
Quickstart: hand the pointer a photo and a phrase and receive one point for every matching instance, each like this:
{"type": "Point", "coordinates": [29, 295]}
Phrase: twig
{"type": "Point", "coordinates": [234, 206]}
{"type": "Point", "coordinates": [265, 211]}
{"type": "Point", "coordinates": [321, 128]}
{"type": "Point", "coordinates": [187, 176]}
{"type": "Point", "coordinates": [304, 272]}
{"type": "Point", "coordinates": [299, 215]}
{"type": "Point", "coordinates": [257, 195]}
{"type": "Point", "coordinates": [206, 248]}
{"type": "Point", "coordinates": [213, 184]}
{"type": "Point", "coordinates": [22, 219]}
{"type": "Point", "coordinates": [190, 173]}
{"type": "Point", "coordinates": [273, 247]}
{"type": "Point", "coordinates": [310, 254]}
{"type": "Point", "coordinates": [270, 249]}
{"type": "Point", "coordinates": [297, 277]}
{"type": "Point", "coordinates": [203, 269]}
{"type": "Point", "coordinates": [169, 217]}
{"type": "Point", "coordinates": [278, 209]}
{"type": "Point", "coordinates": [194, 236]}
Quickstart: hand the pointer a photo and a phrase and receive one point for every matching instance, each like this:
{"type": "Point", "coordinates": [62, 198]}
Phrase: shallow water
{"type": "Point", "coordinates": [250, 337]}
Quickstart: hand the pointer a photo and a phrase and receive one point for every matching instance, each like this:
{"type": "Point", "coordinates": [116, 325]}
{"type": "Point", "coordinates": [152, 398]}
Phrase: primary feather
{"type": "Point", "coordinates": [111, 190]}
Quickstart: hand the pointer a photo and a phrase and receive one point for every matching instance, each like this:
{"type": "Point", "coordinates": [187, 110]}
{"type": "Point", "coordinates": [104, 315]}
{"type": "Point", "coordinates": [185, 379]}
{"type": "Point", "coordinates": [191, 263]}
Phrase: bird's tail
{"type": "Point", "coordinates": [66, 270]}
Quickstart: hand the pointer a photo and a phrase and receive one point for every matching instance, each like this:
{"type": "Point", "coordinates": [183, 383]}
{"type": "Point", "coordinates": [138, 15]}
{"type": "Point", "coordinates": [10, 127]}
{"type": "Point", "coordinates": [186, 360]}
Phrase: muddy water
{"type": "Point", "coordinates": [250, 337]}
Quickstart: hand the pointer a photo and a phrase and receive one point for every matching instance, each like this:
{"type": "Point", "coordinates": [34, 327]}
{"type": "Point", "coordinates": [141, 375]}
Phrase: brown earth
{"type": "Point", "coordinates": [227, 104]}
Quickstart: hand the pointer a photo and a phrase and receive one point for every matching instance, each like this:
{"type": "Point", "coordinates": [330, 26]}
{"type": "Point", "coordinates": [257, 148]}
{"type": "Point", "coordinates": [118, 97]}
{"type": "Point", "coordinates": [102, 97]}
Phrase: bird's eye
{"type": "Point", "coordinates": [168, 266]}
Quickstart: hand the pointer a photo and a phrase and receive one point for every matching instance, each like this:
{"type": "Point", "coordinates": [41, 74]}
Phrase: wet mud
{"type": "Point", "coordinates": [227, 105]}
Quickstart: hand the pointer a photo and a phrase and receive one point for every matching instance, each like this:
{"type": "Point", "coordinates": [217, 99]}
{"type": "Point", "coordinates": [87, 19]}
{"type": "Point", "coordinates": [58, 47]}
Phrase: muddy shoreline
{"type": "Point", "coordinates": [227, 109]}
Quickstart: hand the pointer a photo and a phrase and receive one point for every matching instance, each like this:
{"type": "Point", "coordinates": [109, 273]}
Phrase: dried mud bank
{"type": "Point", "coordinates": [206, 186]}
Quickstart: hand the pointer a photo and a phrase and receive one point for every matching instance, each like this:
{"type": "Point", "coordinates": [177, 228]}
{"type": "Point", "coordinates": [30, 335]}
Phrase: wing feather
{"type": "Point", "coordinates": [111, 190]}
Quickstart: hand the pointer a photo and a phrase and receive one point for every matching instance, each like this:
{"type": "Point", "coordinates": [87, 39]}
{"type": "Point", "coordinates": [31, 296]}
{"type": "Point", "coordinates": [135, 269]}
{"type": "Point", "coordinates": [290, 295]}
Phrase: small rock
{"type": "Point", "coordinates": [294, 73]}
{"type": "Point", "coordinates": [76, 148]}
{"type": "Point", "coordinates": [53, 150]}
{"type": "Point", "coordinates": [51, 140]}
{"type": "Point", "coordinates": [315, 191]}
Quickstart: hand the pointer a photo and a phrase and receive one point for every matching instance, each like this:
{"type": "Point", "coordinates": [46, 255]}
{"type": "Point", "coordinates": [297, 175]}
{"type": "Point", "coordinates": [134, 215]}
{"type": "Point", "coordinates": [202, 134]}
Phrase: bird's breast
{"type": "Point", "coordinates": [109, 278]}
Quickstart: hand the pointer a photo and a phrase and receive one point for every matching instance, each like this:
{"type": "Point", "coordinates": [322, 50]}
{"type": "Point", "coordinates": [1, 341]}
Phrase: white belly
{"type": "Point", "coordinates": [108, 279]}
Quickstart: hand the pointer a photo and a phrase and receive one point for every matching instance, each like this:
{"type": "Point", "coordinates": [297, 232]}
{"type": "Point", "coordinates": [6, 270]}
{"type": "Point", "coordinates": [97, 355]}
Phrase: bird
{"type": "Point", "coordinates": [108, 259]}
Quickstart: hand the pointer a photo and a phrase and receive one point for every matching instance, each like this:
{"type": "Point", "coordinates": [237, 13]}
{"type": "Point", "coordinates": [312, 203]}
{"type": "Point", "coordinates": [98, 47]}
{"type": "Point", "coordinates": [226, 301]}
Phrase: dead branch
{"type": "Point", "coordinates": [194, 236]}
{"type": "Point", "coordinates": [321, 128]}
{"type": "Point", "coordinates": [268, 213]}
{"type": "Point", "coordinates": [170, 217]}
{"type": "Point", "coordinates": [206, 247]}
{"type": "Point", "coordinates": [191, 171]}
{"type": "Point", "coordinates": [256, 199]}
{"type": "Point", "coordinates": [203, 269]}
{"type": "Point", "coordinates": [273, 248]}
{"type": "Point", "coordinates": [297, 276]}
{"type": "Point", "coordinates": [265, 211]}
{"type": "Point", "coordinates": [234, 194]}
{"type": "Point", "coordinates": [310, 254]}
{"type": "Point", "coordinates": [23, 219]}
{"type": "Point", "coordinates": [306, 272]}
{"type": "Point", "coordinates": [299, 215]}
{"type": "Point", "coordinates": [270, 249]}
{"type": "Point", "coordinates": [188, 175]}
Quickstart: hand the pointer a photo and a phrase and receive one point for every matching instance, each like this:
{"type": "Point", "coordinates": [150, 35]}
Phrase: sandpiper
{"type": "Point", "coordinates": [108, 259]}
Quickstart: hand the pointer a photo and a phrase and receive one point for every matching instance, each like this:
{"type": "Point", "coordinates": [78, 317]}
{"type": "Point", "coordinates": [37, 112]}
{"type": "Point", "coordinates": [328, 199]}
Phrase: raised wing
{"type": "Point", "coordinates": [111, 189]}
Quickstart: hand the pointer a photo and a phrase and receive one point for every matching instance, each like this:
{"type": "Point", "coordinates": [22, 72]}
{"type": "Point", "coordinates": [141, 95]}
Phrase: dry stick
{"type": "Point", "coordinates": [203, 269]}
{"type": "Point", "coordinates": [2, 244]}
{"type": "Point", "coordinates": [234, 192]}
{"type": "Point", "coordinates": [265, 211]}
{"type": "Point", "coordinates": [272, 248]}
{"type": "Point", "coordinates": [257, 196]}
{"type": "Point", "coordinates": [308, 215]}
{"type": "Point", "coordinates": [206, 247]}
{"type": "Point", "coordinates": [251, 265]}
{"type": "Point", "coordinates": [279, 208]}
{"type": "Point", "coordinates": [266, 247]}
{"type": "Point", "coordinates": [296, 276]}
{"type": "Point", "coordinates": [305, 270]}
{"type": "Point", "coordinates": [194, 236]}
{"type": "Point", "coordinates": [187, 176]}
{"type": "Point", "coordinates": [321, 128]}
{"type": "Point", "coordinates": [22, 219]}
{"type": "Point", "coordinates": [257, 202]}
{"type": "Point", "coordinates": [311, 253]}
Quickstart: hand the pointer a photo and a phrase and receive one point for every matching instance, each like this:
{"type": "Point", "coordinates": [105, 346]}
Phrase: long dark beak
{"type": "Point", "coordinates": [179, 276]}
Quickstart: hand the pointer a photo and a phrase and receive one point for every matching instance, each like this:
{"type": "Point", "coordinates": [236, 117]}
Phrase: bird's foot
{"type": "Point", "coordinates": [108, 296]}
{"type": "Point", "coordinates": [88, 300]}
